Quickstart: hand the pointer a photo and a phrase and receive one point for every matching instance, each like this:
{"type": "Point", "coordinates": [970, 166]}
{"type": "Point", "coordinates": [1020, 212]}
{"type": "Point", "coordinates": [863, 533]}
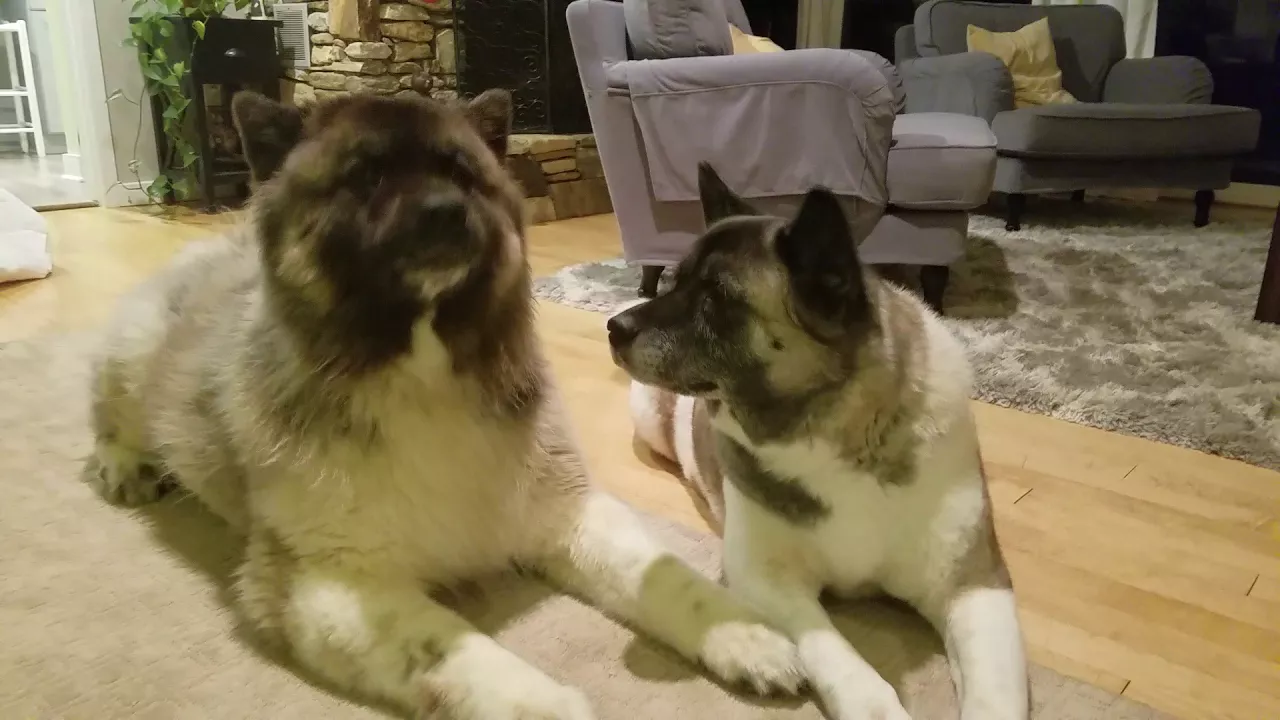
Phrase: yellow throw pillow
{"type": "Point", "coordinates": [1029, 55]}
{"type": "Point", "coordinates": [744, 44]}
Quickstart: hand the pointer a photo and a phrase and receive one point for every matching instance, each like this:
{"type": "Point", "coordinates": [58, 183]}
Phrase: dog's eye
{"type": "Point", "coordinates": [707, 304]}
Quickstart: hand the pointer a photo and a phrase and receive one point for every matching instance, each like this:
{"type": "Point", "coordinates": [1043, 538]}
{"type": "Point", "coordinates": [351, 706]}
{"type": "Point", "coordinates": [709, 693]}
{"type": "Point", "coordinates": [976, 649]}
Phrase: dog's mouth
{"type": "Point", "coordinates": [669, 378]}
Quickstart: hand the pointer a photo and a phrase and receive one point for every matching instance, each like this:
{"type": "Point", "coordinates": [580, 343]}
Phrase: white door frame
{"type": "Point", "coordinates": [77, 19]}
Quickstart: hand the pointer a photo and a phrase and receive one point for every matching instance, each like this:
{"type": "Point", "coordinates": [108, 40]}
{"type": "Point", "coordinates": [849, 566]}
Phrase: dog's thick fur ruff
{"type": "Point", "coordinates": [823, 417]}
{"type": "Point", "coordinates": [354, 383]}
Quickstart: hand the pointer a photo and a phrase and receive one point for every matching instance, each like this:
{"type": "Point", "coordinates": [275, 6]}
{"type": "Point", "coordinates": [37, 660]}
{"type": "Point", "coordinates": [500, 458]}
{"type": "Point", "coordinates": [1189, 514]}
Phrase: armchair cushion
{"type": "Point", "coordinates": [1118, 131]}
{"type": "Point", "coordinates": [1166, 79]}
{"type": "Point", "coordinates": [774, 124]}
{"type": "Point", "coordinates": [1028, 53]}
{"type": "Point", "coordinates": [1088, 39]}
{"type": "Point", "coordinates": [970, 83]}
{"type": "Point", "coordinates": [745, 43]}
{"type": "Point", "coordinates": [677, 28]}
{"type": "Point", "coordinates": [941, 161]}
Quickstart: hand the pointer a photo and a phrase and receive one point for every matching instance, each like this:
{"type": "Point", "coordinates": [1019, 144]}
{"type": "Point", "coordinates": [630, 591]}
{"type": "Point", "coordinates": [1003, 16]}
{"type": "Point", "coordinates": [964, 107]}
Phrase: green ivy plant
{"type": "Point", "coordinates": [166, 77]}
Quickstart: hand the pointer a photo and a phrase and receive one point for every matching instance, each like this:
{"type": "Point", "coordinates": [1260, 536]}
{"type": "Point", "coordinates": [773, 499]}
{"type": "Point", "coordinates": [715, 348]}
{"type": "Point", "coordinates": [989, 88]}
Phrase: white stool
{"type": "Point", "coordinates": [11, 31]}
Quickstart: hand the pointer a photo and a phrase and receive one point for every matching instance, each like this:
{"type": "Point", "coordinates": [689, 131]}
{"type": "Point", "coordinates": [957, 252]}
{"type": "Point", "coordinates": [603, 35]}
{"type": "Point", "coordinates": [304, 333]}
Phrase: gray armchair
{"type": "Point", "coordinates": [664, 92]}
{"type": "Point", "coordinates": [1140, 123]}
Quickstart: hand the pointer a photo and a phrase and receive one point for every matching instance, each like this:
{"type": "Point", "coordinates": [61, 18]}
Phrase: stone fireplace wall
{"type": "Point", "coordinates": [416, 53]}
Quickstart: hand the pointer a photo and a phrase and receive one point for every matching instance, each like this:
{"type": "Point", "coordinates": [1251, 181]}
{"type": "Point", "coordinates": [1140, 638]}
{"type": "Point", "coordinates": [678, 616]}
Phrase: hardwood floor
{"type": "Point", "coordinates": [1143, 568]}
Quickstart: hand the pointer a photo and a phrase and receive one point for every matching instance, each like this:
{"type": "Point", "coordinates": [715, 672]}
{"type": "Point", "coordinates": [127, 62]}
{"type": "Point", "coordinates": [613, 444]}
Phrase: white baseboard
{"type": "Point", "coordinates": [127, 194]}
{"type": "Point", "coordinates": [71, 167]}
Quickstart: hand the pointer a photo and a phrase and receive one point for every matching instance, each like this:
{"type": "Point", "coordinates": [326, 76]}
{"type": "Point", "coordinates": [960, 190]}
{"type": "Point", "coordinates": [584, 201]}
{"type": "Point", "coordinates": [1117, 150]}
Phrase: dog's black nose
{"type": "Point", "coordinates": [622, 330]}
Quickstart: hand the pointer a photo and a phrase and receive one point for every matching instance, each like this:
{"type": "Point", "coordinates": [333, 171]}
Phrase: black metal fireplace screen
{"type": "Point", "coordinates": [523, 46]}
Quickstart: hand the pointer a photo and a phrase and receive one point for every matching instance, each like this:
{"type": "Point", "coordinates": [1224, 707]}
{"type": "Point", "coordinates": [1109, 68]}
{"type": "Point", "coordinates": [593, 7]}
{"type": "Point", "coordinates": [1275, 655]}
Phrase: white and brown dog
{"type": "Point", "coordinates": [823, 416]}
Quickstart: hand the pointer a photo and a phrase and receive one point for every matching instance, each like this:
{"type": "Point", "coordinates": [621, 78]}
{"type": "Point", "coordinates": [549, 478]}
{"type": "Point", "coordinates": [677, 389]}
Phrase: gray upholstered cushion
{"type": "Point", "coordinates": [1114, 131]}
{"type": "Point", "coordinates": [941, 161]}
{"type": "Point", "coordinates": [1088, 39]}
{"type": "Point", "coordinates": [660, 29]}
{"type": "Point", "coordinates": [1165, 79]}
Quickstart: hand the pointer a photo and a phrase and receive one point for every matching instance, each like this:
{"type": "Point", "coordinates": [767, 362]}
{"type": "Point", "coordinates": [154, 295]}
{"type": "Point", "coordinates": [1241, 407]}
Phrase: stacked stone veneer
{"type": "Point", "coordinates": [415, 54]}
{"type": "Point", "coordinates": [560, 174]}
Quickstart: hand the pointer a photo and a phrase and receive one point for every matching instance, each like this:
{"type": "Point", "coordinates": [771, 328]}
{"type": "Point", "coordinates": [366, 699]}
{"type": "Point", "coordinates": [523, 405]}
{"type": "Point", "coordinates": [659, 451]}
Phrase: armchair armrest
{"type": "Point", "coordinates": [891, 77]}
{"type": "Point", "coordinates": [839, 71]}
{"type": "Point", "coordinates": [1171, 79]}
{"type": "Point", "coordinates": [971, 83]}
{"type": "Point", "coordinates": [773, 124]}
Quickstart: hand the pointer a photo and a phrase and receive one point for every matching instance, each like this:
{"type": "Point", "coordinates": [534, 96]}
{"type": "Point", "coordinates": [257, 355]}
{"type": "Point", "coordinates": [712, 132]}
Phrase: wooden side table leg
{"type": "Point", "coordinates": [1269, 296]}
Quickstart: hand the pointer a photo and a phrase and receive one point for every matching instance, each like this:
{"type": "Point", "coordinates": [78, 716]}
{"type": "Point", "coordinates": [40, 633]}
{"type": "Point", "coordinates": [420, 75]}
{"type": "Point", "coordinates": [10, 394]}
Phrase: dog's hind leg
{"type": "Point", "coordinates": [985, 648]}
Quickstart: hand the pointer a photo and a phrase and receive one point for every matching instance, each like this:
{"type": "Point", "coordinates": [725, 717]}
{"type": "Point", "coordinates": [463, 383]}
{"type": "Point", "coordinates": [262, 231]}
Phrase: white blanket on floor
{"type": "Point", "coordinates": [24, 241]}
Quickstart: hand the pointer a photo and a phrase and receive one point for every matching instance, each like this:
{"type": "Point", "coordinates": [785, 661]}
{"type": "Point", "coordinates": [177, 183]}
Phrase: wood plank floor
{"type": "Point", "coordinates": [1143, 568]}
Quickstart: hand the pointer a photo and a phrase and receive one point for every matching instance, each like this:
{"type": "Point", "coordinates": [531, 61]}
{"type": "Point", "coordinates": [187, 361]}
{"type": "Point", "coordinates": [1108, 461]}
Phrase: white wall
{"type": "Point", "coordinates": [120, 72]}
{"type": "Point", "coordinates": [60, 57]}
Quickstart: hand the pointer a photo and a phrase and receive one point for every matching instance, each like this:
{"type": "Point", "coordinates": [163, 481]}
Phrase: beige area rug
{"type": "Point", "coordinates": [1121, 316]}
{"type": "Point", "coordinates": [107, 614]}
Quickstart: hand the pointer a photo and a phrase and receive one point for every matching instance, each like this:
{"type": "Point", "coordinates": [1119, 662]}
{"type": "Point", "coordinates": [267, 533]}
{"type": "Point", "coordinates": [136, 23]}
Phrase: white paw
{"type": "Point", "coordinates": [532, 696]}
{"type": "Point", "coordinates": [873, 699]}
{"type": "Point", "coordinates": [755, 654]}
{"type": "Point", "coordinates": [120, 475]}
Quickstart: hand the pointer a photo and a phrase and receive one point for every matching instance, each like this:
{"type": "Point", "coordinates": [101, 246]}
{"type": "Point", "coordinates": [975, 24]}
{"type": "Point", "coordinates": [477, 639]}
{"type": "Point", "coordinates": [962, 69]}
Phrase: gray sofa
{"type": "Point", "coordinates": [1140, 123]}
{"type": "Point", "coordinates": [665, 92]}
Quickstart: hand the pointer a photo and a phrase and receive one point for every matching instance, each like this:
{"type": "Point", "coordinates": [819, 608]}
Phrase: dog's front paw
{"type": "Point", "coordinates": [121, 476]}
{"type": "Point", "coordinates": [873, 699]}
{"type": "Point", "coordinates": [523, 696]}
{"type": "Point", "coordinates": [747, 652]}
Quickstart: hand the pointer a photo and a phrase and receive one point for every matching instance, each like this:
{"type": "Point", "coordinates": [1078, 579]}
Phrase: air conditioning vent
{"type": "Point", "coordinates": [295, 40]}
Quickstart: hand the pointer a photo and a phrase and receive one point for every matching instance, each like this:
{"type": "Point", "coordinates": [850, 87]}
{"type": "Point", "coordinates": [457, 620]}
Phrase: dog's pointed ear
{"type": "Point", "coordinates": [268, 131]}
{"type": "Point", "coordinates": [818, 250]}
{"type": "Point", "coordinates": [490, 114]}
{"type": "Point", "coordinates": [718, 201]}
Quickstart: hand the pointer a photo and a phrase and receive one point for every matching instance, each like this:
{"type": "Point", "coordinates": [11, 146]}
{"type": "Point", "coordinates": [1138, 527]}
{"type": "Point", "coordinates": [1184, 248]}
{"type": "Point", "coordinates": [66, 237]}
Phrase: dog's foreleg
{"type": "Point", "coordinates": [986, 651]}
{"type": "Point", "coordinates": [609, 558]}
{"type": "Point", "coordinates": [850, 688]}
{"type": "Point", "coordinates": [387, 638]}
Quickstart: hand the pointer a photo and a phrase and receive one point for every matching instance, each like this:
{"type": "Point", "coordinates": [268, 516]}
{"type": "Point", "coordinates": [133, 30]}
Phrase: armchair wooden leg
{"type": "Point", "coordinates": [1204, 201]}
{"type": "Point", "coordinates": [1077, 196]}
{"type": "Point", "coordinates": [1017, 203]}
{"type": "Point", "coordinates": [1269, 294]}
{"type": "Point", "coordinates": [933, 285]}
{"type": "Point", "coordinates": [649, 277]}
